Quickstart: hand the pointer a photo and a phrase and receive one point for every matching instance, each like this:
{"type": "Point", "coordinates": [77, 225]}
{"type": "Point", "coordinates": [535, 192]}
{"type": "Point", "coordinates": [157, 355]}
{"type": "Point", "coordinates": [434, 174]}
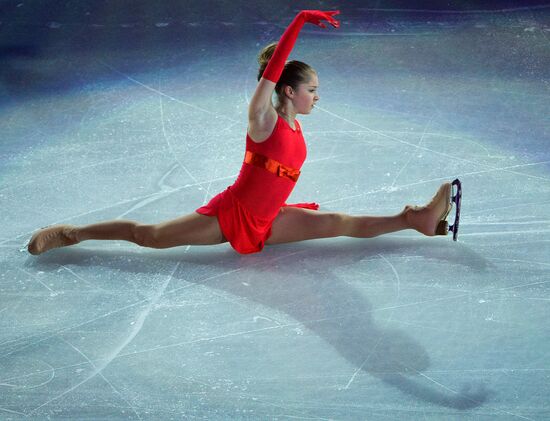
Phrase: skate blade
{"type": "Point", "coordinates": [456, 199]}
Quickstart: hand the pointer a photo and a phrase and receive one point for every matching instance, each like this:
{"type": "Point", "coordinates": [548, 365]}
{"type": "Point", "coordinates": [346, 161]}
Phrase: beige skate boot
{"type": "Point", "coordinates": [52, 237]}
{"type": "Point", "coordinates": [431, 219]}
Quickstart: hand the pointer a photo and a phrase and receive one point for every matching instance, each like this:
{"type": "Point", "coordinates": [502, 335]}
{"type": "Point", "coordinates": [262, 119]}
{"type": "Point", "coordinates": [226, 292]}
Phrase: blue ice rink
{"type": "Point", "coordinates": [107, 113]}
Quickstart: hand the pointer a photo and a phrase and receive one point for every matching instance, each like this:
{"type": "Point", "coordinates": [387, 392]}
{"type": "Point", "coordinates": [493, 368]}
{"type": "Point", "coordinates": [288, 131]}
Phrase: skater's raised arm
{"type": "Point", "coordinates": [261, 100]}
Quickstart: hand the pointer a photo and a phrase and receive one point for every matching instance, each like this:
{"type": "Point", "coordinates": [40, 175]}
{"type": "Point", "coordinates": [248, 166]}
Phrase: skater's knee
{"type": "Point", "coordinates": [338, 224]}
{"type": "Point", "coordinates": [145, 235]}
{"type": "Point", "coordinates": [331, 224]}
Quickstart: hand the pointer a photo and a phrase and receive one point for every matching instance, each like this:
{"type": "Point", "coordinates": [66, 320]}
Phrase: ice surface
{"type": "Point", "coordinates": [145, 126]}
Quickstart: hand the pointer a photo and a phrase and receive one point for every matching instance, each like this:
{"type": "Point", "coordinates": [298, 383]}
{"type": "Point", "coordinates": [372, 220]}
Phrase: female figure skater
{"type": "Point", "coordinates": [252, 212]}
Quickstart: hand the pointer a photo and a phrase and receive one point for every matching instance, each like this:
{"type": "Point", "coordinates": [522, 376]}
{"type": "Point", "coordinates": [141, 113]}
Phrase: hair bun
{"type": "Point", "coordinates": [264, 57]}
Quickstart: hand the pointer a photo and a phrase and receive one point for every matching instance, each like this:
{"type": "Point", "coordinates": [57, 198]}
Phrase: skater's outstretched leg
{"type": "Point", "coordinates": [296, 224]}
{"type": "Point", "coordinates": [192, 229]}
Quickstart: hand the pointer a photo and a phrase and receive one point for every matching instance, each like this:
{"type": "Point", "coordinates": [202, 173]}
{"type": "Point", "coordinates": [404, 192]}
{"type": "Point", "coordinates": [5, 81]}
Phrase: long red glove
{"type": "Point", "coordinates": [276, 64]}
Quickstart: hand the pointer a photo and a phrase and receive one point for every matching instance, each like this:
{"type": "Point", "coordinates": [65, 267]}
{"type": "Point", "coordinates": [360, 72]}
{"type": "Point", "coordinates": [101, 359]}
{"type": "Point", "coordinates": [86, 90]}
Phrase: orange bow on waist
{"type": "Point", "coordinates": [271, 165]}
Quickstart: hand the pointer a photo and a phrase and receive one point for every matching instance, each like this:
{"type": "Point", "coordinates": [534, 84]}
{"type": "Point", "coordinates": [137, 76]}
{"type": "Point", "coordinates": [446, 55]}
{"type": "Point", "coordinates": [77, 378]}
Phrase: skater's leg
{"type": "Point", "coordinates": [107, 230]}
{"type": "Point", "coordinates": [297, 224]}
{"type": "Point", "coordinates": [192, 229]}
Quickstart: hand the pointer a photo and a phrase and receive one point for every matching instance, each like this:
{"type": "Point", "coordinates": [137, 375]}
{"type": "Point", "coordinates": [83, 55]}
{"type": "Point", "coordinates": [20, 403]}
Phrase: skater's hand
{"type": "Point", "coordinates": [316, 16]}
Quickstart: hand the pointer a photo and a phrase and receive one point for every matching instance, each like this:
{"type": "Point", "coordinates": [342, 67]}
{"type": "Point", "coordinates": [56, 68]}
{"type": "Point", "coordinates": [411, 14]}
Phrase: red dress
{"type": "Point", "coordinates": [246, 210]}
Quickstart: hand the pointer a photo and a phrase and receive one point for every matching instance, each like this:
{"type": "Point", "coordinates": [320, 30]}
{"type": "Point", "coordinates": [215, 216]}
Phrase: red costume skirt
{"type": "Point", "coordinates": [245, 232]}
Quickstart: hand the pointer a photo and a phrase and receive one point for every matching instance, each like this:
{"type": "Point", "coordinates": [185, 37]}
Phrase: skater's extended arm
{"type": "Point", "coordinates": [261, 100]}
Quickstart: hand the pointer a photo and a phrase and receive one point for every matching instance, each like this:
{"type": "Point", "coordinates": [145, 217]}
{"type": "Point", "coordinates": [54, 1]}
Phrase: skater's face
{"type": "Point", "coordinates": [306, 96]}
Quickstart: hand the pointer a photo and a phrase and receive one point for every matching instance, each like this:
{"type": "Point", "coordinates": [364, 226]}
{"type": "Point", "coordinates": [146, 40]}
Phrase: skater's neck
{"type": "Point", "coordinates": [287, 112]}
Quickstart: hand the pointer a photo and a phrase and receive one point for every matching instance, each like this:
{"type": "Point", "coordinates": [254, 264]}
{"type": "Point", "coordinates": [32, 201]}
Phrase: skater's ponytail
{"type": "Point", "coordinates": [294, 73]}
